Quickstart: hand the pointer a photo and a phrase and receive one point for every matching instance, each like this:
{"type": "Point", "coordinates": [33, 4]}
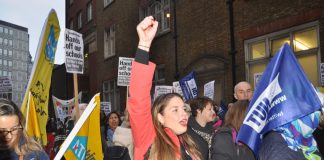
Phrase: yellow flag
{"type": "Point", "coordinates": [84, 141]}
{"type": "Point", "coordinates": [40, 79]}
{"type": "Point", "coordinates": [32, 124]}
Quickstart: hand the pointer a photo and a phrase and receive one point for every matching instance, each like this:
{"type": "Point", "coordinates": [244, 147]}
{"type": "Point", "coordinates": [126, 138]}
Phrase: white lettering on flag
{"type": "Point", "coordinates": [258, 114]}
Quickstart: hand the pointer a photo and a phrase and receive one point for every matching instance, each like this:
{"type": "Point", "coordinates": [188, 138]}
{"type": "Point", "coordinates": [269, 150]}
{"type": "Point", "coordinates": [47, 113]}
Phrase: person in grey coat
{"type": "Point", "coordinates": [224, 146]}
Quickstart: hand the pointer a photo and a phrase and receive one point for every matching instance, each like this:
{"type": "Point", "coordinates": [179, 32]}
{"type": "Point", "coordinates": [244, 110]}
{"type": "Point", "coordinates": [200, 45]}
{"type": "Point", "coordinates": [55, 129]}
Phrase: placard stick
{"type": "Point", "coordinates": [76, 98]}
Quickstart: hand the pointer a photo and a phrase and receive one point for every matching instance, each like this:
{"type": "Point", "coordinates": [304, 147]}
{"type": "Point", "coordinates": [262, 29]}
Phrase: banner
{"type": "Point", "coordinates": [84, 141]}
{"type": "Point", "coordinates": [188, 86]}
{"type": "Point", "coordinates": [209, 89]}
{"type": "Point", "coordinates": [124, 71]}
{"type": "Point", "coordinates": [64, 108]}
{"type": "Point", "coordinates": [159, 90]}
{"type": "Point", "coordinates": [74, 61]}
{"type": "Point", "coordinates": [283, 94]}
{"type": "Point", "coordinates": [41, 75]}
{"type": "Point", "coordinates": [32, 123]}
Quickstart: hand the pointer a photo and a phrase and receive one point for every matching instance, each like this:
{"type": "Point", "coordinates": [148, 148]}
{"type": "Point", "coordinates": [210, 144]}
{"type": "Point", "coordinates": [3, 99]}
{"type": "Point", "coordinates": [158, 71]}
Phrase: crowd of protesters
{"type": "Point", "coordinates": [167, 129]}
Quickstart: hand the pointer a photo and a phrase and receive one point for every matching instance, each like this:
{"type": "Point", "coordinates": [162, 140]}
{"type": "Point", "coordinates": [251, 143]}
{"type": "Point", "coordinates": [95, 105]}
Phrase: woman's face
{"type": "Point", "coordinates": [9, 131]}
{"type": "Point", "coordinates": [208, 113]}
{"type": "Point", "coordinates": [175, 116]}
{"type": "Point", "coordinates": [113, 121]}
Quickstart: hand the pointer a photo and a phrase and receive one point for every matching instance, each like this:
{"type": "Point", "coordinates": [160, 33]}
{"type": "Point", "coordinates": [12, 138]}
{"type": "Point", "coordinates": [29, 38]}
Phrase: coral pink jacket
{"type": "Point", "coordinates": [139, 108]}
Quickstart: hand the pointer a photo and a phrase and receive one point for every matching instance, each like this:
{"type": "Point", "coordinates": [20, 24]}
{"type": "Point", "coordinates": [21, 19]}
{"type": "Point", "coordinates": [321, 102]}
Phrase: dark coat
{"type": "Point", "coordinates": [198, 139]}
{"type": "Point", "coordinates": [274, 146]}
{"type": "Point", "coordinates": [224, 148]}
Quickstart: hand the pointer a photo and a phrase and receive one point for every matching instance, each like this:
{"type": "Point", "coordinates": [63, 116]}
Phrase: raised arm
{"type": "Point", "coordinates": [139, 104]}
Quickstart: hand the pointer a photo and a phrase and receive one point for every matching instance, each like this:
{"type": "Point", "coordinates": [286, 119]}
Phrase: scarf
{"type": "Point", "coordinates": [298, 134]}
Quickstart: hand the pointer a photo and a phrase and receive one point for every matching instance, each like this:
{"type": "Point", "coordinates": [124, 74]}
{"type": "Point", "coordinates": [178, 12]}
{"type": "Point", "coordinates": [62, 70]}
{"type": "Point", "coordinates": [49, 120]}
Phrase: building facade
{"type": "Point", "coordinates": [226, 41]}
{"type": "Point", "coordinates": [15, 59]}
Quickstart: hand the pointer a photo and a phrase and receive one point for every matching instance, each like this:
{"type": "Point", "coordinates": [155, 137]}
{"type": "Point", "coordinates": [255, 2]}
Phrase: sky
{"type": "Point", "coordinates": [32, 14]}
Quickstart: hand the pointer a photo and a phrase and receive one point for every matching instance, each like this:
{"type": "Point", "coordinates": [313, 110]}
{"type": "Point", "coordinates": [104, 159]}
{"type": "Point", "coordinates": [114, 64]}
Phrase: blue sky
{"type": "Point", "coordinates": [32, 14]}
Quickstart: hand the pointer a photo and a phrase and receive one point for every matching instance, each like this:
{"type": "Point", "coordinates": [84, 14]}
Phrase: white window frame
{"type": "Point", "coordinates": [111, 93]}
{"type": "Point", "coordinates": [282, 33]}
{"type": "Point", "coordinates": [80, 20]}
{"type": "Point", "coordinates": [110, 42]}
{"type": "Point", "coordinates": [89, 11]}
{"type": "Point", "coordinates": [107, 2]}
{"type": "Point", "coordinates": [159, 9]}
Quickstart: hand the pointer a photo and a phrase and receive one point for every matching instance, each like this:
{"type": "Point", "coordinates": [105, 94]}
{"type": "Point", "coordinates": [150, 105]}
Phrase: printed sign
{"type": "Point", "coordinates": [124, 71]}
{"type": "Point", "coordinates": [209, 90]}
{"type": "Point", "coordinates": [74, 61]}
{"type": "Point", "coordinates": [106, 107]}
{"type": "Point", "coordinates": [159, 90]}
{"type": "Point", "coordinates": [5, 84]}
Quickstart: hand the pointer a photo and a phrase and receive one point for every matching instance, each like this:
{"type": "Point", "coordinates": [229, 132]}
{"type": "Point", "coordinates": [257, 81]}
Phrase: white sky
{"type": "Point", "coordinates": [32, 14]}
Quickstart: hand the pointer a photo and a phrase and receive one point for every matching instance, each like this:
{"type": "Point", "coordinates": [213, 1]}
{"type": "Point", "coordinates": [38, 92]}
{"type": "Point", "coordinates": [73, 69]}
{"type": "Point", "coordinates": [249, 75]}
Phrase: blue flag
{"type": "Point", "coordinates": [283, 95]}
{"type": "Point", "coordinates": [188, 86]}
{"type": "Point", "coordinates": [222, 110]}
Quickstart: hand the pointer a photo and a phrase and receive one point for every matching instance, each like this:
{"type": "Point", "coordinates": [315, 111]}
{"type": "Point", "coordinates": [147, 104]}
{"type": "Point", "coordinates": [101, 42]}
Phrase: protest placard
{"type": "Point", "coordinates": [124, 70]}
{"type": "Point", "coordinates": [74, 61]}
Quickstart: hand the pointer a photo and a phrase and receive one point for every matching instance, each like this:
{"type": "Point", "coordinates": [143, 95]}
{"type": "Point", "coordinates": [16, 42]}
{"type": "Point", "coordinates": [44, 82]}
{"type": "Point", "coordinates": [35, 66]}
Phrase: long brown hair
{"type": "Point", "coordinates": [163, 147]}
{"type": "Point", "coordinates": [27, 144]}
{"type": "Point", "coordinates": [235, 115]}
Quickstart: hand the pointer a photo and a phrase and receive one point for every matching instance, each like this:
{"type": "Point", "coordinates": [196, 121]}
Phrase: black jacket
{"type": "Point", "coordinates": [201, 142]}
{"type": "Point", "coordinates": [273, 146]}
{"type": "Point", "coordinates": [224, 148]}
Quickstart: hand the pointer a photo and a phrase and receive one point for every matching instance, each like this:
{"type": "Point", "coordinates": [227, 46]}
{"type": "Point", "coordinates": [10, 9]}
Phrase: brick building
{"type": "Point", "coordinates": [195, 35]}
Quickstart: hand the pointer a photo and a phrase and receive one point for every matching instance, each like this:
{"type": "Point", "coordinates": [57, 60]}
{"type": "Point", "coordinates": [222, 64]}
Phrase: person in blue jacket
{"type": "Point", "coordinates": [14, 142]}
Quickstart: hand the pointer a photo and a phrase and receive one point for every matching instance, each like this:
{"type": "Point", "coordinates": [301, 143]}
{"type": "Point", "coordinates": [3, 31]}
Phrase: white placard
{"type": "Point", "coordinates": [322, 73]}
{"type": "Point", "coordinates": [177, 88]}
{"type": "Point", "coordinates": [209, 90]}
{"type": "Point", "coordinates": [124, 71]}
{"type": "Point", "coordinates": [106, 107]}
{"type": "Point", "coordinates": [159, 90]}
{"type": "Point", "coordinates": [74, 61]}
{"type": "Point", "coordinates": [5, 84]}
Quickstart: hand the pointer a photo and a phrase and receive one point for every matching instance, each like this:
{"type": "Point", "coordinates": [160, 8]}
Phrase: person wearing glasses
{"type": "Point", "coordinates": [14, 142]}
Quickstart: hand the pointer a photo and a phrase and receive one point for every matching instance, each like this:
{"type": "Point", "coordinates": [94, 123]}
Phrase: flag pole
{"type": "Point", "coordinates": [76, 99]}
{"type": "Point", "coordinates": [27, 112]}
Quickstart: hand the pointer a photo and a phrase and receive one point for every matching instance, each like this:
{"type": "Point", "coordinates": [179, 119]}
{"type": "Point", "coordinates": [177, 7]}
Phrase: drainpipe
{"type": "Point", "coordinates": [175, 37]}
{"type": "Point", "coordinates": [232, 40]}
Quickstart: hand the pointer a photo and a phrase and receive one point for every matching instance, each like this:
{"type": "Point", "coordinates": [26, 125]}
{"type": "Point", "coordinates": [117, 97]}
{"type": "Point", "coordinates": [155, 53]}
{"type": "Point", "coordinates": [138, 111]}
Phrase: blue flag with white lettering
{"type": "Point", "coordinates": [283, 95]}
{"type": "Point", "coordinates": [188, 86]}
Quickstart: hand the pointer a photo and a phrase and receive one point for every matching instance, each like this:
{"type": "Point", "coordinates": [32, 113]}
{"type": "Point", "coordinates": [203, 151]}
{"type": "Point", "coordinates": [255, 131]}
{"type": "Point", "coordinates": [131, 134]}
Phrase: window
{"type": "Point", "coordinates": [71, 24]}
{"type": "Point", "coordinates": [5, 42]}
{"type": "Point", "coordinates": [5, 52]}
{"type": "Point", "coordinates": [159, 76]}
{"type": "Point", "coordinates": [79, 20]}
{"type": "Point", "coordinates": [107, 2]}
{"type": "Point", "coordinates": [10, 64]}
{"type": "Point", "coordinates": [5, 62]}
{"type": "Point", "coordinates": [111, 93]}
{"type": "Point", "coordinates": [303, 40]}
{"type": "Point", "coordinates": [6, 30]}
{"type": "Point", "coordinates": [1, 40]}
{"type": "Point", "coordinates": [10, 53]}
{"type": "Point", "coordinates": [5, 73]}
{"type": "Point", "coordinates": [160, 9]}
{"type": "Point", "coordinates": [10, 32]}
{"type": "Point", "coordinates": [0, 51]}
{"type": "Point", "coordinates": [0, 62]}
{"type": "Point", "coordinates": [10, 42]}
{"type": "Point", "coordinates": [89, 11]}
{"type": "Point", "coordinates": [1, 29]}
{"type": "Point", "coordinates": [109, 40]}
